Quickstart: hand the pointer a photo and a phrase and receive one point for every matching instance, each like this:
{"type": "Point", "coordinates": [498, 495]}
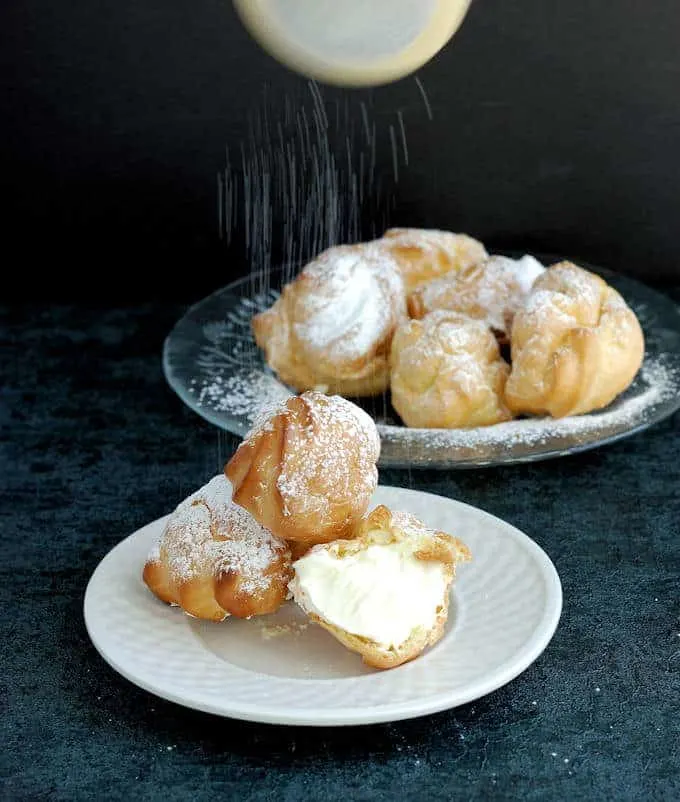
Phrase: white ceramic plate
{"type": "Point", "coordinates": [280, 669]}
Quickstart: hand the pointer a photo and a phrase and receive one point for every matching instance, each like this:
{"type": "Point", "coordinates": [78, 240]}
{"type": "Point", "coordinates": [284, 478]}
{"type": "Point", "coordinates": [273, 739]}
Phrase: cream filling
{"type": "Point", "coordinates": [527, 270]}
{"type": "Point", "coordinates": [352, 288]}
{"type": "Point", "coordinates": [381, 593]}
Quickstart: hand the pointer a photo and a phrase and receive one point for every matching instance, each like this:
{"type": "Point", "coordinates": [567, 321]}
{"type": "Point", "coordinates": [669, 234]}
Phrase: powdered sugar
{"type": "Point", "coordinates": [445, 368]}
{"type": "Point", "coordinates": [352, 299]}
{"type": "Point", "coordinates": [332, 460]}
{"type": "Point", "coordinates": [457, 332]}
{"type": "Point", "coordinates": [154, 554]}
{"type": "Point", "coordinates": [423, 537]}
{"type": "Point", "coordinates": [541, 300]}
{"type": "Point", "coordinates": [566, 296]}
{"type": "Point", "coordinates": [661, 383]}
{"type": "Point", "coordinates": [492, 291]}
{"type": "Point", "coordinates": [209, 534]}
{"type": "Point", "coordinates": [263, 419]}
{"type": "Point", "coordinates": [246, 394]}
{"type": "Point", "coordinates": [656, 383]}
{"type": "Point", "coordinates": [567, 302]}
{"type": "Point", "coordinates": [234, 400]}
{"type": "Point", "coordinates": [572, 280]}
{"type": "Point", "coordinates": [347, 304]}
{"type": "Point", "coordinates": [411, 526]}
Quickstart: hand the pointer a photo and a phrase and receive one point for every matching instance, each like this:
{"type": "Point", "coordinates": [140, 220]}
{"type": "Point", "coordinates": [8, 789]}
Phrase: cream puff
{"type": "Point", "coordinates": [448, 373]}
{"type": "Point", "coordinates": [332, 326]}
{"type": "Point", "coordinates": [214, 560]}
{"type": "Point", "coordinates": [424, 254]}
{"type": "Point", "coordinates": [491, 291]}
{"type": "Point", "coordinates": [576, 345]}
{"type": "Point", "coordinates": [307, 470]}
{"type": "Point", "coordinates": [385, 593]}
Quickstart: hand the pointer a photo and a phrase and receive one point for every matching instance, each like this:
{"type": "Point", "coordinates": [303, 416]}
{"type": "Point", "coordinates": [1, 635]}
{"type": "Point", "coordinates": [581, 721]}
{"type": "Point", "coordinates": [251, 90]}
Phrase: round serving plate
{"type": "Point", "coordinates": [211, 361]}
{"type": "Point", "coordinates": [283, 669]}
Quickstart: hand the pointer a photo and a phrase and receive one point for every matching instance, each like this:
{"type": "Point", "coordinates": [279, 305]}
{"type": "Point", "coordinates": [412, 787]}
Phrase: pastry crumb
{"type": "Point", "coordinates": [276, 630]}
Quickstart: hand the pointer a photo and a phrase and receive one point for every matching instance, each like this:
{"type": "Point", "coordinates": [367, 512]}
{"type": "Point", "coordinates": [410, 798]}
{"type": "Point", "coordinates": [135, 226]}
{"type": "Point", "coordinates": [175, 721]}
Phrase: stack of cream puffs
{"type": "Point", "coordinates": [288, 522]}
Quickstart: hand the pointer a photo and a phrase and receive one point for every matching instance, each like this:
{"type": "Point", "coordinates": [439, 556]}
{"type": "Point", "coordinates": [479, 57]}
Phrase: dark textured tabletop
{"type": "Point", "coordinates": [95, 444]}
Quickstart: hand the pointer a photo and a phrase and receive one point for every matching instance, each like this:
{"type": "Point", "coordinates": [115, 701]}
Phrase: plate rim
{"type": "Point", "coordinates": [529, 652]}
{"type": "Point", "coordinates": [669, 406]}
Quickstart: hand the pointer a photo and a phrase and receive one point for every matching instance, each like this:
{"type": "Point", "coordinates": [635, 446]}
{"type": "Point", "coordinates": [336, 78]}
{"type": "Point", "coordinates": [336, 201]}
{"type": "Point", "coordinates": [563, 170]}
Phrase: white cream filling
{"type": "Point", "coordinates": [527, 270]}
{"type": "Point", "coordinates": [381, 593]}
{"type": "Point", "coordinates": [353, 306]}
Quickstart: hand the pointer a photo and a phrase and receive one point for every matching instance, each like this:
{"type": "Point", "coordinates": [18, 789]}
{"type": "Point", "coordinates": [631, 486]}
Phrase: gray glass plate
{"type": "Point", "coordinates": [211, 361]}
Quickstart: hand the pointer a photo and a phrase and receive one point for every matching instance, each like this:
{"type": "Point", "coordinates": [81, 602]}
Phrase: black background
{"type": "Point", "coordinates": [556, 128]}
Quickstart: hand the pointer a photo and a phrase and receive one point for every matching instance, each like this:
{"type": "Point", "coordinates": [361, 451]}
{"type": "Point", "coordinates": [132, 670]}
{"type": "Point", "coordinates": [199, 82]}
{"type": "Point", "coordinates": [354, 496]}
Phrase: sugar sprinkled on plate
{"type": "Point", "coordinates": [253, 394]}
{"type": "Point", "coordinates": [660, 381]}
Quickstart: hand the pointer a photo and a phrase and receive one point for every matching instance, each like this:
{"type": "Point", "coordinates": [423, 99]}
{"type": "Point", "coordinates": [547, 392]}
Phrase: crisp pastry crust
{"type": "Point", "coordinates": [214, 560]}
{"type": "Point", "coordinates": [307, 470]}
{"type": "Point", "coordinates": [332, 327]}
{"type": "Point", "coordinates": [491, 291]}
{"type": "Point", "coordinates": [409, 540]}
{"type": "Point", "coordinates": [447, 372]}
{"type": "Point", "coordinates": [424, 254]}
{"type": "Point", "coordinates": [576, 345]}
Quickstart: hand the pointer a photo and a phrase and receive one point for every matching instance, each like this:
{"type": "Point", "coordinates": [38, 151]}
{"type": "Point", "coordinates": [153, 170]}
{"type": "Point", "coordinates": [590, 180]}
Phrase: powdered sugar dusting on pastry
{"type": "Point", "coordinates": [661, 384]}
{"type": "Point", "coordinates": [208, 533]}
{"type": "Point", "coordinates": [540, 300]}
{"type": "Point", "coordinates": [263, 418]}
{"type": "Point", "coordinates": [464, 250]}
{"type": "Point", "coordinates": [575, 348]}
{"type": "Point", "coordinates": [491, 291]}
{"type": "Point", "coordinates": [355, 294]}
{"type": "Point", "coordinates": [424, 536]}
{"type": "Point", "coordinates": [249, 558]}
{"type": "Point", "coordinates": [410, 525]}
{"type": "Point", "coordinates": [447, 372]}
{"type": "Point", "coordinates": [504, 287]}
{"type": "Point", "coordinates": [332, 458]}
{"type": "Point", "coordinates": [567, 296]}
{"type": "Point", "coordinates": [154, 554]}
{"type": "Point", "coordinates": [425, 254]}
